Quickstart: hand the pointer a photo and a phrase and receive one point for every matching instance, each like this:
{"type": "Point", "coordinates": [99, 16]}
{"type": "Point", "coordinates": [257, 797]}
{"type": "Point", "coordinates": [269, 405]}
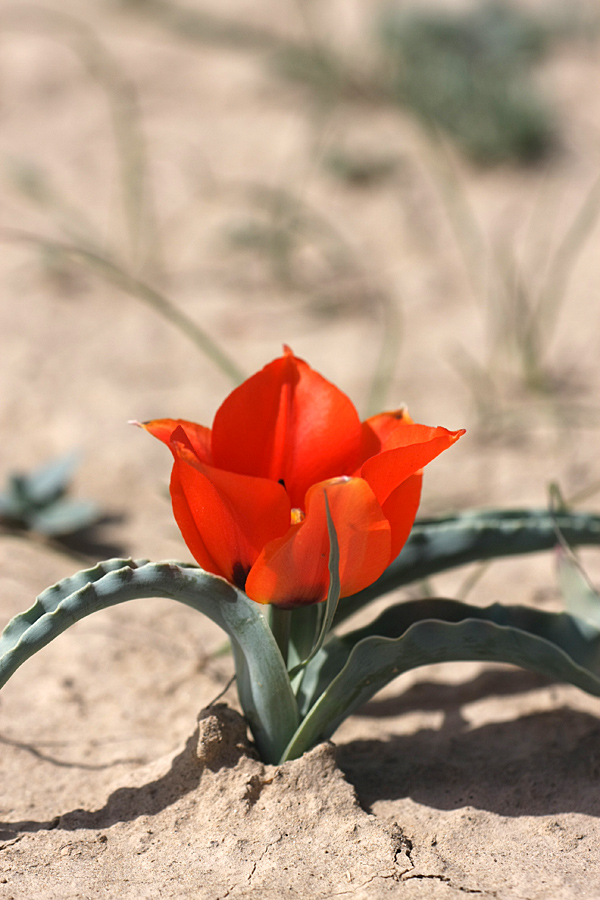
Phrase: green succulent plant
{"type": "Point", "coordinates": [36, 501]}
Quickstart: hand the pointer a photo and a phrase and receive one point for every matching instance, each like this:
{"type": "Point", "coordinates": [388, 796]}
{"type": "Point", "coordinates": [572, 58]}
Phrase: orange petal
{"type": "Point", "coordinates": [405, 451]}
{"type": "Point", "coordinates": [198, 435]}
{"type": "Point", "coordinates": [377, 429]}
{"type": "Point", "coordinates": [400, 509]}
{"type": "Point", "coordinates": [289, 424]}
{"type": "Point", "coordinates": [225, 518]}
{"type": "Point", "coordinates": [293, 570]}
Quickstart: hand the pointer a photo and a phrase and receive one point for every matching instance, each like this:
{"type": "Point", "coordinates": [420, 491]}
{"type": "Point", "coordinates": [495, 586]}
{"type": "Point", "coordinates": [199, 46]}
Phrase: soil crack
{"type": "Point", "coordinates": [263, 854]}
{"type": "Point", "coordinates": [403, 849]}
{"type": "Point", "coordinates": [419, 876]}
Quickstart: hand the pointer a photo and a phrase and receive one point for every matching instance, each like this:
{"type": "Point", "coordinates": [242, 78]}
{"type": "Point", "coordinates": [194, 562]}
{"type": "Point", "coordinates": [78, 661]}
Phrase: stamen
{"type": "Point", "coordinates": [297, 516]}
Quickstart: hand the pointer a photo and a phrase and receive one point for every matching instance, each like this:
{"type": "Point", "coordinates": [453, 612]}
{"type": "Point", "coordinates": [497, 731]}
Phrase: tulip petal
{"type": "Point", "coordinates": [377, 429]}
{"type": "Point", "coordinates": [186, 522]}
{"type": "Point", "coordinates": [405, 451]}
{"type": "Point", "coordinates": [293, 570]}
{"type": "Point", "coordinates": [289, 424]}
{"type": "Point", "coordinates": [197, 435]}
{"type": "Point", "coordinates": [400, 509]}
{"type": "Point", "coordinates": [225, 518]}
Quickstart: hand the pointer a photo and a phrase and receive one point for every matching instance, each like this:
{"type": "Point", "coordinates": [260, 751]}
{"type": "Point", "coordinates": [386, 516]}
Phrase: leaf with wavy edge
{"type": "Point", "coordinates": [436, 545]}
{"type": "Point", "coordinates": [263, 685]}
{"type": "Point", "coordinates": [423, 632]}
{"type": "Point", "coordinates": [49, 599]}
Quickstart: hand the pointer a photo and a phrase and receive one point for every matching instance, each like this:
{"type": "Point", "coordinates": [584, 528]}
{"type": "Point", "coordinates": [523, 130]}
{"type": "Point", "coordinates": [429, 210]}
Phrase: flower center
{"type": "Point", "coordinates": [297, 516]}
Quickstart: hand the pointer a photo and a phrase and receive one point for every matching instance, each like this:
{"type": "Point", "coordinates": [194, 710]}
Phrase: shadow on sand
{"type": "Point", "coordinates": [540, 764]}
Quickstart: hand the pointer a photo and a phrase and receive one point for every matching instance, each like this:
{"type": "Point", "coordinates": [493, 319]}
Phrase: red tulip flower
{"type": "Point", "coordinates": [249, 494]}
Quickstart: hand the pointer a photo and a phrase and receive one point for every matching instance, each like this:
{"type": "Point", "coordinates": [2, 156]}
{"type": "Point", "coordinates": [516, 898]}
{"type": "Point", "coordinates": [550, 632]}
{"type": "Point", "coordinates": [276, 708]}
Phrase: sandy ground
{"type": "Point", "coordinates": [461, 779]}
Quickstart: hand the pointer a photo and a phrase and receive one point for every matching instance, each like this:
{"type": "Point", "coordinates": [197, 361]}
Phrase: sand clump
{"type": "Point", "coordinates": [211, 821]}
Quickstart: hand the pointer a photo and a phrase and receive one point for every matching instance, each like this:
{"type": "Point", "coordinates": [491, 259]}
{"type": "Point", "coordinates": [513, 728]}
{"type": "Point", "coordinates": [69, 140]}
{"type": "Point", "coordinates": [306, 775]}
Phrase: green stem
{"type": "Point", "coordinates": [280, 621]}
{"type": "Point", "coordinates": [303, 633]}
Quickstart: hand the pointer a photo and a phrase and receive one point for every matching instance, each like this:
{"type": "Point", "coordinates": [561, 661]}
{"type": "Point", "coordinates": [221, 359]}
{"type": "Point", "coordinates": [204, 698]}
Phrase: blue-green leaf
{"type": "Point", "coordinates": [14, 501]}
{"type": "Point", "coordinates": [263, 684]}
{"type": "Point", "coordinates": [436, 545]}
{"type": "Point", "coordinates": [49, 599]}
{"type": "Point", "coordinates": [416, 634]}
{"type": "Point", "coordinates": [64, 517]}
{"type": "Point", "coordinates": [50, 480]}
{"type": "Point", "coordinates": [581, 598]}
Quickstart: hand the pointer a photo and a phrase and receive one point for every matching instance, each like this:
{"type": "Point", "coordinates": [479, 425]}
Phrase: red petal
{"type": "Point", "coordinates": [400, 509]}
{"type": "Point", "coordinates": [187, 524]}
{"type": "Point", "coordinates": [197, 435]}
{"type": "Point", "coordinates": [225, 518]}
{"type": "Point", "coordinates": [377, 429]}
{"type": "Point", "coordinates": [293, 570]}
{"type": "Point", "coordinates": [406, 451]}
{"type": "Point", "coordinates": [289, 424]}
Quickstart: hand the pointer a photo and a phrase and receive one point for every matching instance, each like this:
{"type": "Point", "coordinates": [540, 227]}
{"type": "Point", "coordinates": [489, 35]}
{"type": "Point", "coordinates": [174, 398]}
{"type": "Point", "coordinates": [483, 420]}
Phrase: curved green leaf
{"type": "Point", "coordinates": [263, 685]}
{"type": "Point", "coordinates": [424, 632]}
{"type": "Point", "coordinates": [49, 599]}
{"type": "Point", "coordinates": [436, 545]}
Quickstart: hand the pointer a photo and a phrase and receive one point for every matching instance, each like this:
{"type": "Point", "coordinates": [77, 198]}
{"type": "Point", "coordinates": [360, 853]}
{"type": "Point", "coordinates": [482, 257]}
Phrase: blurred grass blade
{"type": "Point", "coordinates": [388, 355]}
{"type": "Point", "coordinates": [118, 276]}
{"type": "Point", "coordinates": [129, 142]}
{"type": "Point", "coordinates": [124, 108]}
{"type": "Point", "coordinates": [545, 313]}
{"type": "Point", "coordinates": [33, 183]}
